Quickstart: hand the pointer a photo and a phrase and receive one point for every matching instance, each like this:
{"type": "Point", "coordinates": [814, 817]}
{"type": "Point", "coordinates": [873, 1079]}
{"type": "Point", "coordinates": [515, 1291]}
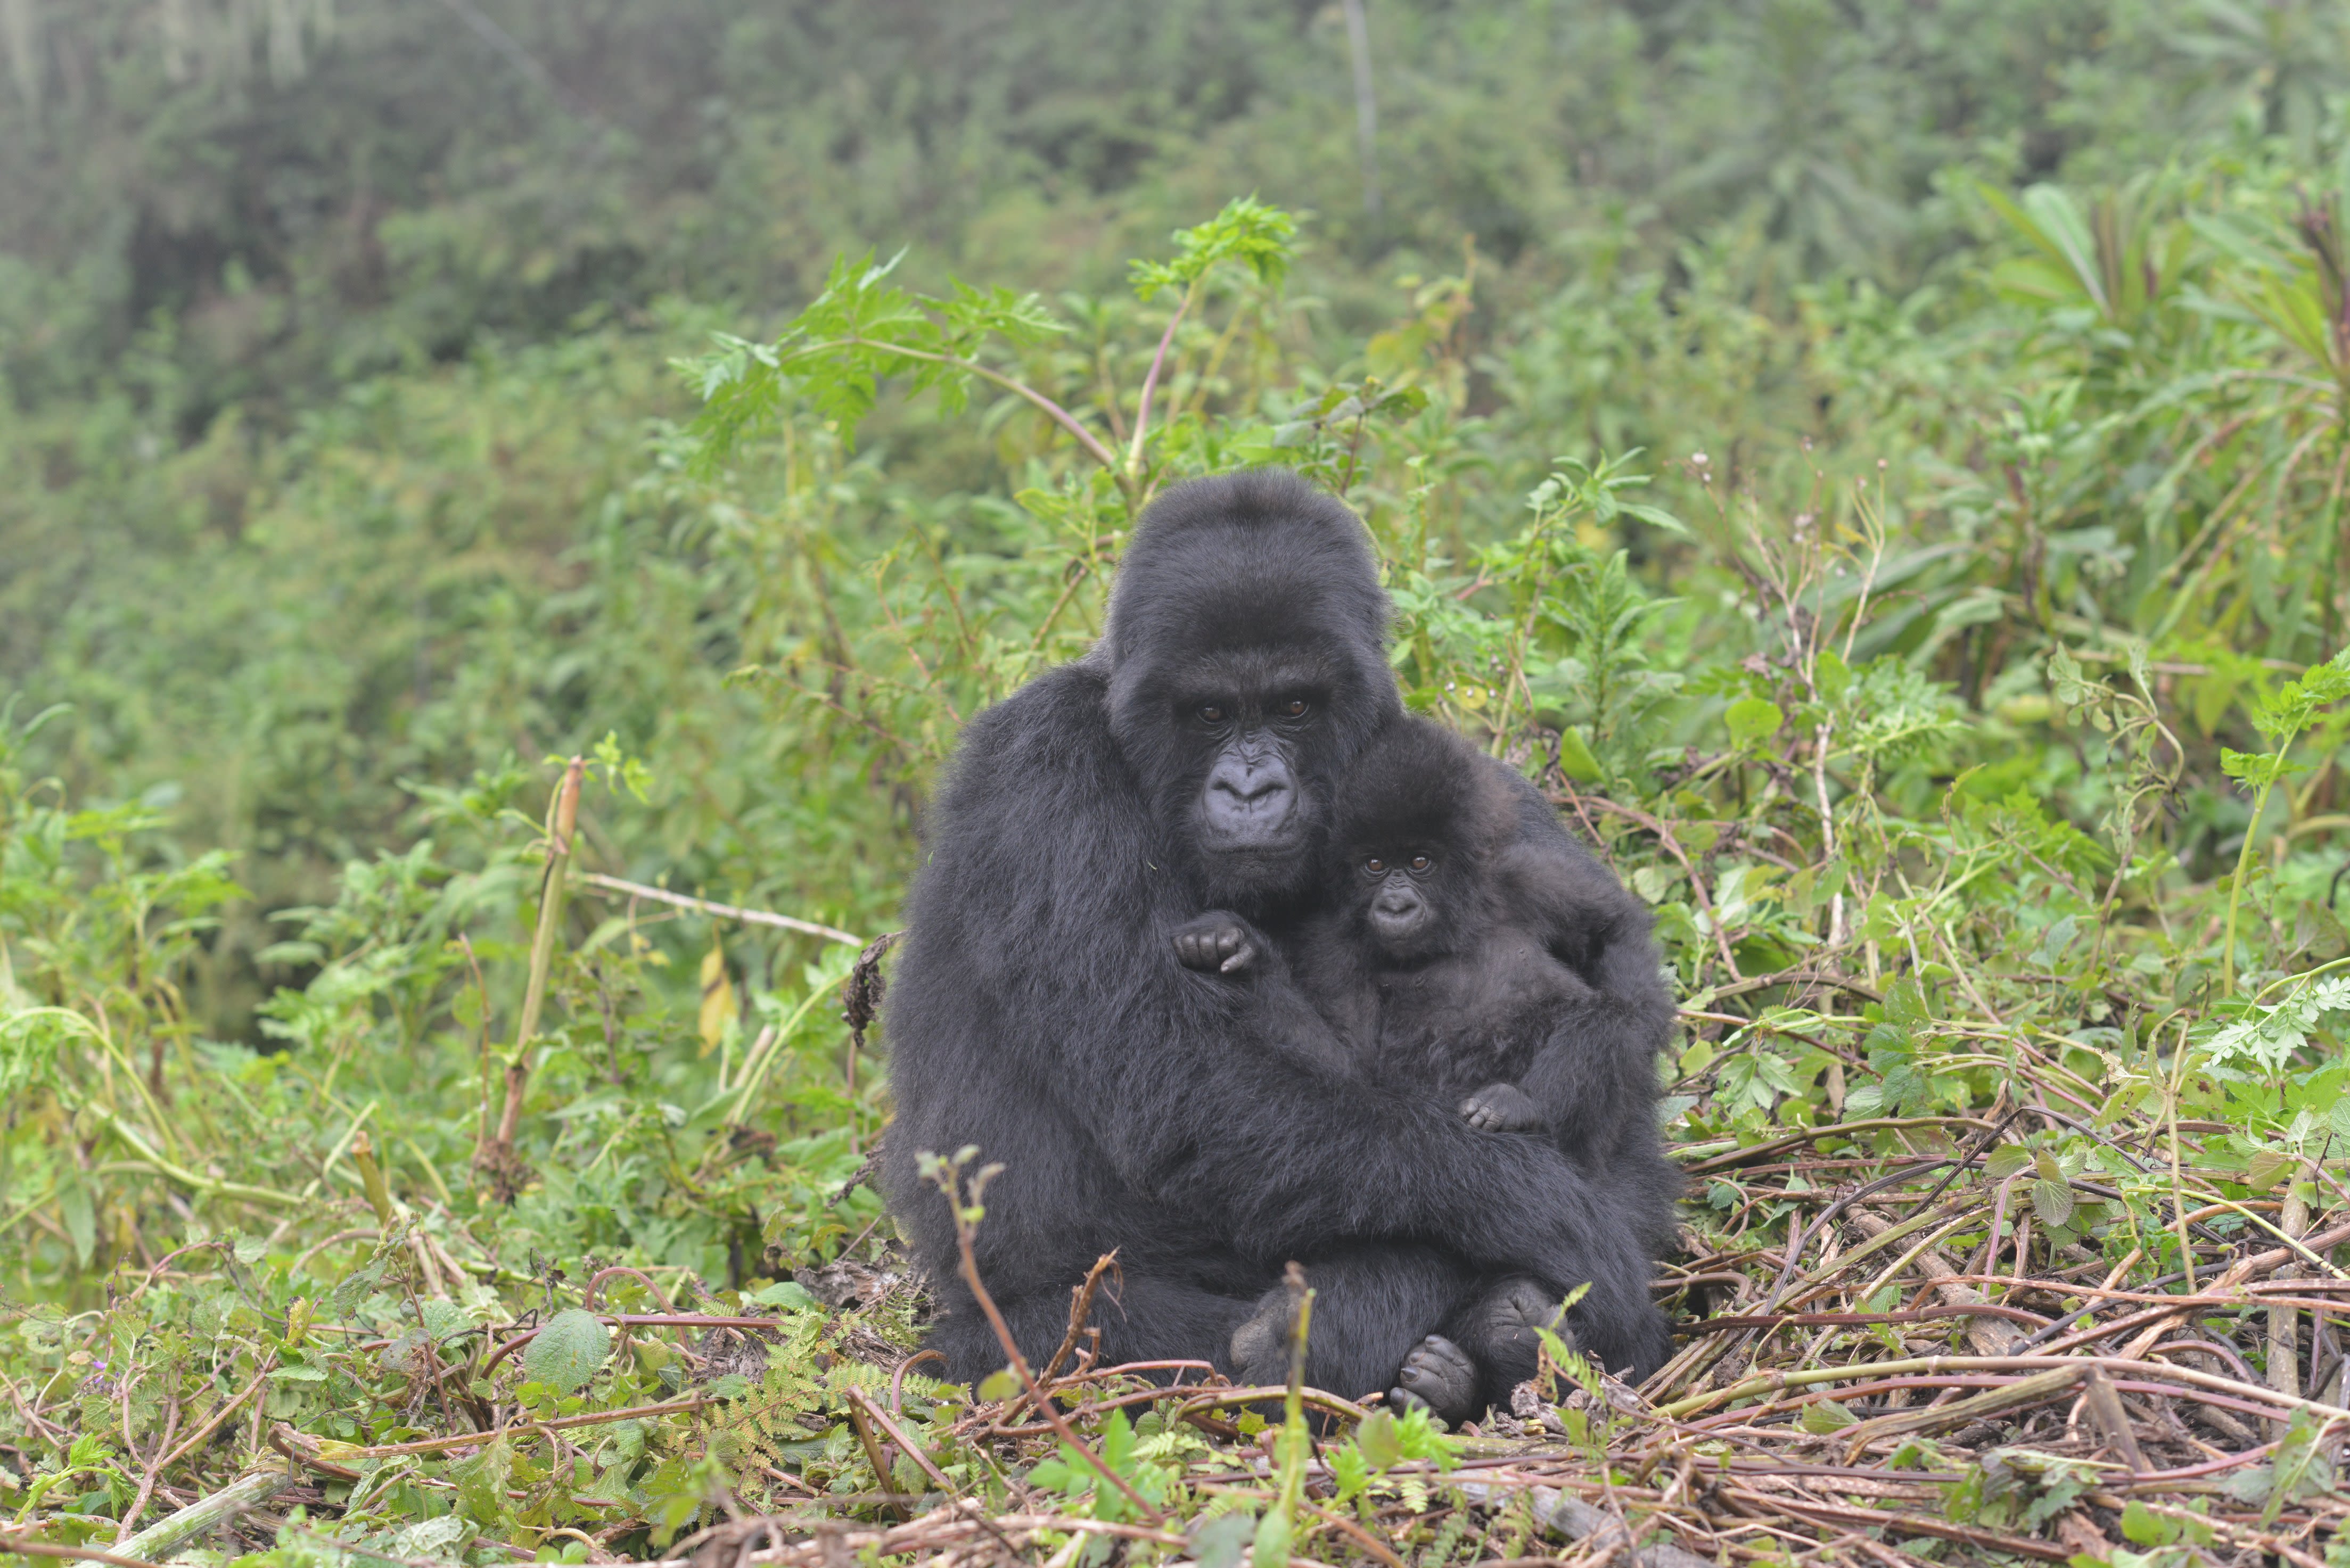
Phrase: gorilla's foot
{"type": "Point", "coordinates": [1261, 1343]}
{"type": "Point", "coordinates": [1499, 1332]}
{"type": "Point", "coordinates": [1505, 1323]}
{"type": "Point", "coordinates": [1437, 1375]}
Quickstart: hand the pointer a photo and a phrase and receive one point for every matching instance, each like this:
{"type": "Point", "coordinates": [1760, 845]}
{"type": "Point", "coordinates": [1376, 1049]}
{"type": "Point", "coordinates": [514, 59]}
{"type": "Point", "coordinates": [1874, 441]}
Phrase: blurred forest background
{"type": "Point", "coordinates": [1879, 462]}
{"type": "Point", "coordinates": [334, 332]}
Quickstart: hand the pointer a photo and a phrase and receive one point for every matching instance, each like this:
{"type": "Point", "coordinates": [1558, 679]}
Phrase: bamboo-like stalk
{"type": "Point", "coordinates": [2285, 1322]}
{"type": "Point", "coordinates": [1273, 1532]}
{"type": "Point", "coordinates": [563, 823]}
{"type": "Point", "coordinates": [168, 1534]}
{"type": "Point", "coordinates": [378, 1192]}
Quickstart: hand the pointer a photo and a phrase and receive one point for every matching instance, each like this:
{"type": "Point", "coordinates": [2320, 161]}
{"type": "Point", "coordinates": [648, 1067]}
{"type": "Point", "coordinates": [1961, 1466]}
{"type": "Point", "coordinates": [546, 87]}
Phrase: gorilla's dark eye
{"type": "Point", "coordinates": [1210, 713]}
{"type": "Point", "coordinates": [1293, 708]}
{"type": "Point", "coordinates": [1375, 866]}
{"type": "Point", "coordinates": [1422, 863]}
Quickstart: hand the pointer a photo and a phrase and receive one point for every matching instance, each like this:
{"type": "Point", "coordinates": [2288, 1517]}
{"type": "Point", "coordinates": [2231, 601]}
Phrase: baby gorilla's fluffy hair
{"type": "Point", "coordinates": [1419, 955]}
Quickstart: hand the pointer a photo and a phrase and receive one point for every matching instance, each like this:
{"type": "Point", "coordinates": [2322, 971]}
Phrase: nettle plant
{"type": "Point", "coordinates": [1533, 641]}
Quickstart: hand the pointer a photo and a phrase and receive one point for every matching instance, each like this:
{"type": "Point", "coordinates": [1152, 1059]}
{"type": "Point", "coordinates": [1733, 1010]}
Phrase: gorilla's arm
{"type": "Point", "coordinates": [1597, 1071]}
{"type": "Point", "coordinates": [1038, 1012]}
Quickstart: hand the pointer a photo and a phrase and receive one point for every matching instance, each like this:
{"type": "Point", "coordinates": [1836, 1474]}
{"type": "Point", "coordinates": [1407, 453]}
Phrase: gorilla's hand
{"type": "Point", "coordinates": [1502, 1108]}
{"type": "Point", "coordinates": [1216, 943]}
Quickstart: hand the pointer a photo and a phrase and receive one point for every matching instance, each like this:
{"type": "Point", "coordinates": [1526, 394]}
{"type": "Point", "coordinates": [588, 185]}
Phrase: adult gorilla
{"type": "Point", "coordinates": [1038, 1011]}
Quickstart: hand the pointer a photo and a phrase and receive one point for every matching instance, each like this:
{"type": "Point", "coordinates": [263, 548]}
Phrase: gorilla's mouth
{"type": "Point", "coordinates": [1262, 826]}
{"type": "Point", "coordinates": [1398, 926]}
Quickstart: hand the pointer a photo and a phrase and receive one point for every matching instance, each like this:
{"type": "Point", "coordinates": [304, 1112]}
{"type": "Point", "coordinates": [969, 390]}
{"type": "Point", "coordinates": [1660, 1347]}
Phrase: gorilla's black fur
{"type": "Point", "coordinates": [1039, 1012]}
{"type": "Point", "coordinates": [1442, 951]}
{"type": "Point", "coordinates": [1453, 945]}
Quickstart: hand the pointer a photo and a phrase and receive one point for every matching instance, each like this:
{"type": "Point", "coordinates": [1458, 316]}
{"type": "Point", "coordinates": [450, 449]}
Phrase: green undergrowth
{"type": "Point", "coordinates": [1975, 739]}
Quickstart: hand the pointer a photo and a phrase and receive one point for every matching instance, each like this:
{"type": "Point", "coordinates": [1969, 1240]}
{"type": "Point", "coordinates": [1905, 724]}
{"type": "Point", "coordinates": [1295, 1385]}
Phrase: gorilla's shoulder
{"type": "Point", "coordinates": [1064, 698]}
{"type": "Point", "coordinates": [1055, 725]}
{"type": "Point", "coordinates": [1041, 833]}
{"type": "Point", "coordinates": [1538, 823]}
{"type": "Point", "coordinates": [1042, 766]}
{"type": "Point", "coordinates": [1546, 866]}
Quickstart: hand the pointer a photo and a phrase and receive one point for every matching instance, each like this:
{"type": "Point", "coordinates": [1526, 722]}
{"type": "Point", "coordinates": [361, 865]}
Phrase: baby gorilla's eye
{"type": "Point", "coordinates": [1293, 708]}
{"type": "Point", "coordinates": [1422, 863]}
{"type": "Point", "coordinates": [1375, 866]}
{"type": "Point", "coordinates": [1212, 713]}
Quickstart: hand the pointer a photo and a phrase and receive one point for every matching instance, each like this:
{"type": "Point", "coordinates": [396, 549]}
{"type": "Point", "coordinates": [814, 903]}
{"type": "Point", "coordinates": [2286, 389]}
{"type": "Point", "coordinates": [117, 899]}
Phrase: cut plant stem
{"type": "Point", "coordinates": [378, 1192]}
{"type": "Point", "coordinates": [563, 823]}
{"type": "Point", "coordinates": [1273, 1532]}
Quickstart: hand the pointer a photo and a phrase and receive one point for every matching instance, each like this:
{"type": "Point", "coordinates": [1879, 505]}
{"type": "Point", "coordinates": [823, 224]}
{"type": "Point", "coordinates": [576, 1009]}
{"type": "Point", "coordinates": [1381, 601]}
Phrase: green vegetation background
{"type": "Point", "coordinates": [1885, 461]}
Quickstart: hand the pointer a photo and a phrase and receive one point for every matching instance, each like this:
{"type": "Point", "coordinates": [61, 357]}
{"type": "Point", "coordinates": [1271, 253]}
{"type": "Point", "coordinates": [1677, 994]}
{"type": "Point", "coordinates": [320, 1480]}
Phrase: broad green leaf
{"type": "Point", "coordinates": [1826, 1416]}
{"type": "Point", "coordinates": [789, 1294]}
{"type": "Point", "coordinates": [1377, 1439]}
{"type": "Point", "coordinates": [1219, 1542]}
{"type": "Point", "coordinates": [1271, 1537]}
{"type": "Point", "coordinates": [2266, 1166]}
{"type": "Point", "coordinates": [482, 1480]}
{"type": "Point", "coordinates": [1752, 719]}
{"type": "Point", "coordinates": [81, 1220]}
{"type": "Point", "coordinates": [1575, 758]}
{"type": "Point", "coordinates": [569, 1351]}
{"type": "Point", "coordinates": [2008, 1159]}
{"type": "Point", "coordinates": [2053, 1201]}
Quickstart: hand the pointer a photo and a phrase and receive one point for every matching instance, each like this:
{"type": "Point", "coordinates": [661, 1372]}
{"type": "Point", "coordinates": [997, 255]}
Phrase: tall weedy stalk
{"type": "Point", "coordinates": [497, 1157]}
{"type": "Point", "coordinates": [1294, 1446]}
{"type": "Point", "coordinates": [2281, 718]}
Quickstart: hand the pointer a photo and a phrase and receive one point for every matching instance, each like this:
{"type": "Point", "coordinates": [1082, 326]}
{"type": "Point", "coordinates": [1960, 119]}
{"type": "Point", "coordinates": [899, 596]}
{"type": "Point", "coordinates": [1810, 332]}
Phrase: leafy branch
{"type": "Point", "coordinates": [864, 329]}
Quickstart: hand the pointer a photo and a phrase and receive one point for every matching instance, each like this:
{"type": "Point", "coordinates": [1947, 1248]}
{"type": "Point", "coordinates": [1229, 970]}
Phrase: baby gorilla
{"type": "Point", "coordinates": [1435, 952]}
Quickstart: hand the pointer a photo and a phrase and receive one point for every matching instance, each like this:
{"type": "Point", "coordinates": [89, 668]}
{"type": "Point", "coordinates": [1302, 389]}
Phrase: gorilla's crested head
{"type": "Point", "coordinates": [1247, 667]}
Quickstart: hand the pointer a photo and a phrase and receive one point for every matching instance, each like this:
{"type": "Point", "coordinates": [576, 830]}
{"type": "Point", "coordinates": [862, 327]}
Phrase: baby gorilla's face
{"type": "Point", "coordinates": [1397, 883]}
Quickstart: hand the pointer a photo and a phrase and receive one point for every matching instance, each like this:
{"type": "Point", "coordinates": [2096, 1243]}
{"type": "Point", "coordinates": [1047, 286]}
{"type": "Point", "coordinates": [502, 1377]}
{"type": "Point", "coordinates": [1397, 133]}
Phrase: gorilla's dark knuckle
{"type": "Point", "coordinates": [1184, 790]}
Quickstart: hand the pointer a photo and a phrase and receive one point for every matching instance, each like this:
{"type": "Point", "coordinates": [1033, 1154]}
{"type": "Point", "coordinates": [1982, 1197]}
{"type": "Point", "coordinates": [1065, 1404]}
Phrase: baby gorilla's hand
{"type": "Point", "coordinates": [1215, 943]}
{"type": "Point", "coordinates": [1502, 1108]}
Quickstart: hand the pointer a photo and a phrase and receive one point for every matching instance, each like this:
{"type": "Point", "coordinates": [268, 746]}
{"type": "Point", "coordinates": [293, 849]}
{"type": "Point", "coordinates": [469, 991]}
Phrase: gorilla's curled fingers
{"type": "Point", "coordinates": [1218, 942]}
{"type": "Point", "coordinates": [1502, 1108]}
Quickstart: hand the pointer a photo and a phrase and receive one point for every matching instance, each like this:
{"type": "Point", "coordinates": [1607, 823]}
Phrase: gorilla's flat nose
{"type": "Point", "coordinates": [1251, 803]}
{"type": "Point", "coordinates": [1248, 785]}
{"type": "Point", "coordinates": [1395, 901]}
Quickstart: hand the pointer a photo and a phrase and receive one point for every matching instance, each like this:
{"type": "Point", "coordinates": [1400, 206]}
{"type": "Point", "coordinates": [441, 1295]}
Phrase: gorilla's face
{"type": "Point", "coordinates": [1252, 731]}
{"type": "Point", "coordinates": [1399, 909]}
{"type": "Point", "coordinates": [1245, 667]}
